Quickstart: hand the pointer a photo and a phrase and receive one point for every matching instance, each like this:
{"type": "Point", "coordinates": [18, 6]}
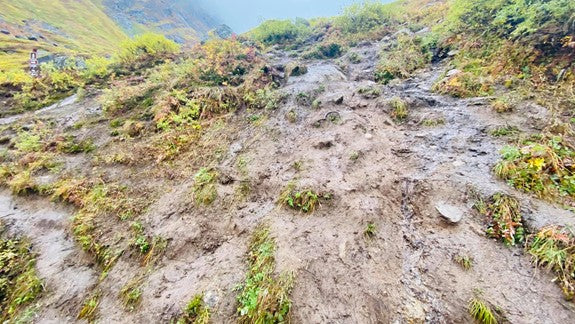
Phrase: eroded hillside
{"type": "Point", "coordinates": [376, 167]}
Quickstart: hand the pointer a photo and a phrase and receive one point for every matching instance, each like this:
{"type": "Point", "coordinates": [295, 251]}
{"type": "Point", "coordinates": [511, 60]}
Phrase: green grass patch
{"type": "Point", "coordinates": [554, 249]}
{"type": "Point", "coordinates": [264, 296]}
{"type": "Point", "coordinates": [19, 282]}
{"type": "Point", "coordinates": [540, 166]}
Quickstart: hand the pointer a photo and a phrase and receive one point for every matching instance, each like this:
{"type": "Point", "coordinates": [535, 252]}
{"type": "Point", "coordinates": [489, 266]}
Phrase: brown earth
{"type": "Point", "coordinates": [391, 174]}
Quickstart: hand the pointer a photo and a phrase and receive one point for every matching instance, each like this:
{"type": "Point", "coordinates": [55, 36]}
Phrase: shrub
{"type": "Point", "coordinates": [146, 46]}
{"type": "Point", "coordinates": [280, 31]}
{"type": "Point", "coordinates": [407, 56]}
{"type": "Point", "coordinates": [325, 51]}
{"type": "Point", "coordinates": [513, 19]}
{"type": "Point", "coordinates": [96, 68]}
{"type": "Point", "coordinates": [364, 17]}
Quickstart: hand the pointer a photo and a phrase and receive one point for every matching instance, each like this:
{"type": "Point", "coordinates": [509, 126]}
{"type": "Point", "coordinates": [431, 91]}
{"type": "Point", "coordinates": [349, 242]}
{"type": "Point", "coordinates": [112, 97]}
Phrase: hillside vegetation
{"type": "Point", "coordinates": [226, 183]}
{"type": "Point", "coordinates": [79, 27]}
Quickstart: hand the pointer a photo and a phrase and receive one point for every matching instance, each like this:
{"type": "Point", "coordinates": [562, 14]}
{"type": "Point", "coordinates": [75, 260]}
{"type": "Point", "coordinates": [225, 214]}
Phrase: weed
{"type": "Point", "coordinates": [554, 248]}
{"type": "Point", "coordinates": [204, 188]}
{"type": "Point", "coordinates": [433, 122]}
{"type": "Point", "coordinates": [504, 214]}
{"type": "Point", "coordinates": [297, 165]}
{"type": "Point", "coordinates": [306, 200]}
{"type": "Point", "coordinates": [400, 109]}
{"type": "Point", "coordinates": [354, 156]}
{"type": "Point", "coordinates": [156, 251]}
{"type": "Point", "coordinates": [481, 312]}
{"type": "Point", "coordinates": [503, 104]}
{"type": "Point", "coordinates": [303, 98]}
{"type": "Point", "coordinates": [504, 131]}
{"type": "Point", "coordinates": [369, 92]}
{"type": "Point", "coordinates": [370, 231]}
{"type": "Point", "coordinates": [195, 312]}
{"type": "Point", "coordinates": [89, 310]}
{"type": "Point", "coordinates": [147, 46]}
{"type": "Point", "coordinates": [28, 142]}
{"type": "Point", "coordinates": [72, 146]}
{"type": "Point", "coordinates": [263, 297]}
{"type": "Point", "coordinates": [131, 294]}
{"type": "Point", "coordinates": [354, 58]}
{"type": "Point", "coordinates": [464, 261]}
{"type": "Point", "coordinates": [296, 69]}
{"type": "Point", "coordinates": [316, 104]}
{"type": "Point", "coordinates": [292, 116]}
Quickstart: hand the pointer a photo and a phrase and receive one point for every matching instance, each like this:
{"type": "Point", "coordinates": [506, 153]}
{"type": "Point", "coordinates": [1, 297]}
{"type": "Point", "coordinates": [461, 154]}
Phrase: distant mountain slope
{"type": "Point", "coordinates": [92, 26]}
{"type": "Point", "coordinates": [184, 21]}
{"type": "Point", "coordinates": [55, 26]}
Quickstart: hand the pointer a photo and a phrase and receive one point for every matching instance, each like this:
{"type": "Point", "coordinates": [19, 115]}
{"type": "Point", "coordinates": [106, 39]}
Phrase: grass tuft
{"type": "Point", "coordinates": [89, 310]}
{"type": "Point", "coordinates": [195, 312]}
{"type": "Point", "coordinates": [554, 249]}
{"type": "Point", "coordinates": [204, 189]}
{"type": "Point", "coordinates": [264, 297]}
{"type": "Point", "coordinates": [481, 312]}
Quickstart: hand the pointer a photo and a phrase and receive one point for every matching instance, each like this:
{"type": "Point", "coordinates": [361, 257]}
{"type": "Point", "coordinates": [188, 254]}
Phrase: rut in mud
{"type": "Point", "coordinates": [377, 171]}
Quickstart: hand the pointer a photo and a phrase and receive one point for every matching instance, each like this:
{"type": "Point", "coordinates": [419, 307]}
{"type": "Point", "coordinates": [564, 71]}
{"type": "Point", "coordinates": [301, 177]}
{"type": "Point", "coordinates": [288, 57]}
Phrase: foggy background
{"type": "Point", "coordinates": [244, 15]}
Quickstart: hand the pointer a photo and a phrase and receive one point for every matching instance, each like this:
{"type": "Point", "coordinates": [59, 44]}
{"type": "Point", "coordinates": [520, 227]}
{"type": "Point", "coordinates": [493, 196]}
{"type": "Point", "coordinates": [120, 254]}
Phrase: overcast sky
{"type": "Point", "coordinates": [243, 15]}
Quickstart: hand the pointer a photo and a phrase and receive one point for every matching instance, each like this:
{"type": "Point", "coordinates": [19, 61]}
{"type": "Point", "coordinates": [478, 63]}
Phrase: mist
{"type": "Point", "coordinates": [244, 15]}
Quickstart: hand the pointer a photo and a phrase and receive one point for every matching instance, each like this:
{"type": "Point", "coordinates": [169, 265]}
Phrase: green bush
{"type": "Point", "coordinates": [407, 56]}
{"type": "Point", "coordinates": [359, 18]}
{"type": "Point", "coordinates": [146, 46]}
{"type": "Point", "coordinates": [280, 31]}
{"type": "Point", "coordinates": [511, 18]}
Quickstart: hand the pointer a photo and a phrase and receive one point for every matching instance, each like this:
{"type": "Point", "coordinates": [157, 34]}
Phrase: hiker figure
{"type": "Point", "coordinates": [34, 66]}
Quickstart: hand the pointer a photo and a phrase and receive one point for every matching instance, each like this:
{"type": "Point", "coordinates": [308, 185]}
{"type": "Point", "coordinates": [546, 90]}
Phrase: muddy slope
{"type": "Point", "coordinates": [377, 170]}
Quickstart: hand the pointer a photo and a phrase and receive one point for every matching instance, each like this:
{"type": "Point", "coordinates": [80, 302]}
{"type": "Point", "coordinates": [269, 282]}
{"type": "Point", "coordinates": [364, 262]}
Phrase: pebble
{"type": "Point", "coordinates": [368, 136]}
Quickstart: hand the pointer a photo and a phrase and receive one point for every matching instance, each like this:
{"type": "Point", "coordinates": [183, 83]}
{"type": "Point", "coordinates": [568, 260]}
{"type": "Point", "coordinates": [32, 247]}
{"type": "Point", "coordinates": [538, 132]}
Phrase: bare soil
{"type": "Point", "coordinates": [392, 174]}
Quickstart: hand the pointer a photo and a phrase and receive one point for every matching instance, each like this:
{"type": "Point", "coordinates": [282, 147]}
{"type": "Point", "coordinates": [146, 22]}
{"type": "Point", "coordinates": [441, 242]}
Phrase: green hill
{"type": "Point", "coordinates": [55, 26]}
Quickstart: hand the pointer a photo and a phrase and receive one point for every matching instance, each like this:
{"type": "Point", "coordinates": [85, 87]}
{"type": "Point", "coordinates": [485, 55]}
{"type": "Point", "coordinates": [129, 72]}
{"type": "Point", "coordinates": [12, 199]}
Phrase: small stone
{"type": "Point", "coordinates": [368, 136]}
{"type": "Point", "coordinates": [339, 101]}
{"type": "Point", "coordinates": [5, 32]}
{"type": "Point", "coordinates": [458, 163]}
{"type": "Point", "coordinates": [32, 38]}
{"type": "Point", "coordinates": [452, 53]}
{"type": "Point", "coordinates": [453, 72]}
{"type": "Point", "coordinates": [450, 213]}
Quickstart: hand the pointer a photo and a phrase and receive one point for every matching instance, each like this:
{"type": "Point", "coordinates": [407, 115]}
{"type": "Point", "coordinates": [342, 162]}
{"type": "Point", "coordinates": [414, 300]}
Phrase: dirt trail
{"type": "Point", "coordinates": [378, 171]}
